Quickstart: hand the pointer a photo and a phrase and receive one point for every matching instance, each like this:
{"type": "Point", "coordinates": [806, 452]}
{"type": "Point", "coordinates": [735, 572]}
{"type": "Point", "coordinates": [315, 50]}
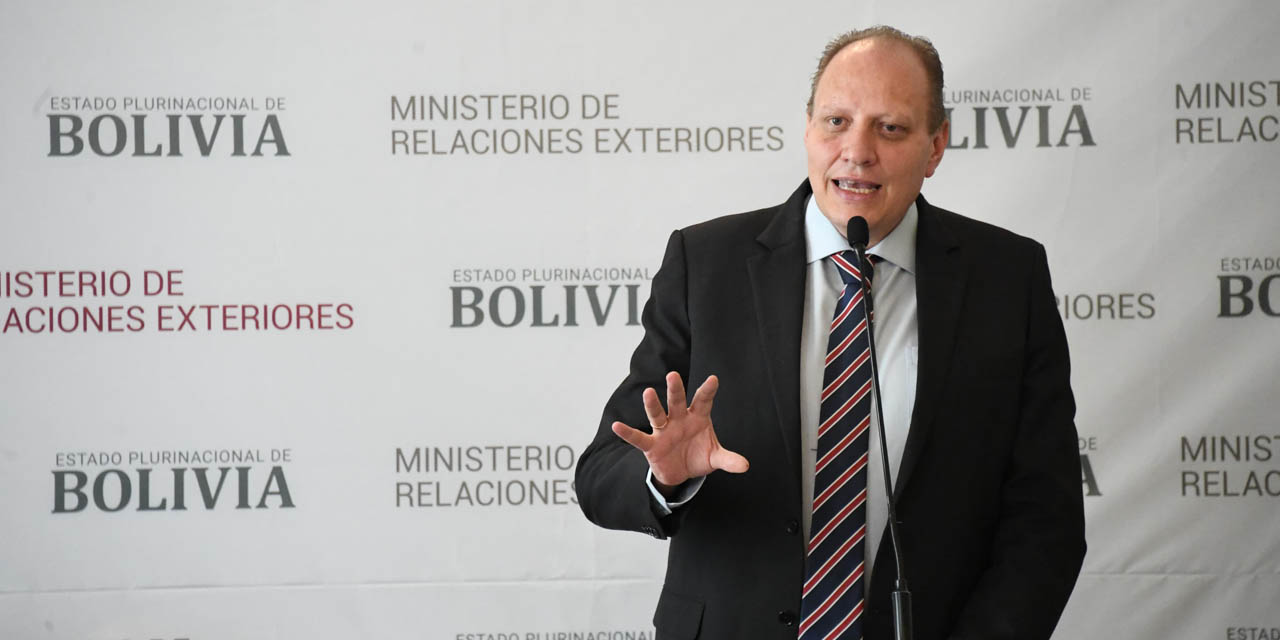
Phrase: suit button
{"type": "Point", "coordinates": [793, 527]}
{"type": "Point", "coordinates": [787, 617]}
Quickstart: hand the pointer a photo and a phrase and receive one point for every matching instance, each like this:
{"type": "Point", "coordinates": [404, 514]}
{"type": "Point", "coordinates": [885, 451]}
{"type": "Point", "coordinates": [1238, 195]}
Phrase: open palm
{"type": "Point", "coordinates": [683, 444]}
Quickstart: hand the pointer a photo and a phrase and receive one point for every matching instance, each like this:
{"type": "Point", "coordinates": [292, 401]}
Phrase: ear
{"type": "Point", "coordinates": [938, 144]}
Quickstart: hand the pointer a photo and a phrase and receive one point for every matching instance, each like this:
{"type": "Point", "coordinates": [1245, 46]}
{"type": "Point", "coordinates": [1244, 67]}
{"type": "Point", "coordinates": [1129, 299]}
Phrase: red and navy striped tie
{"type": "Point", "coordinates": [834, 588]}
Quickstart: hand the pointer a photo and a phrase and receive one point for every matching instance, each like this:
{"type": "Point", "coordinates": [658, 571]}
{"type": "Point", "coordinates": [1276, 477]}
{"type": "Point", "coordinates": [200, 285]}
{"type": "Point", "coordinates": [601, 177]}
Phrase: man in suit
{"type": "Point", "coordinates": [982, 438]}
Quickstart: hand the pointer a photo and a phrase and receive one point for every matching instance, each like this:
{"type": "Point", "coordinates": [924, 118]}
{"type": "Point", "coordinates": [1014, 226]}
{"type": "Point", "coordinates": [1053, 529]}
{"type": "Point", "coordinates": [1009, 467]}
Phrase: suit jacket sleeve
{"type": "Point", "coordinates": [610, 477]}
{"type": "Point", "coordinates": [1039, 543]}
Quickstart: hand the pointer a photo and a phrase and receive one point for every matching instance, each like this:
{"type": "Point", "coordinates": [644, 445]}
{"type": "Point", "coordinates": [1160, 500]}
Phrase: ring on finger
{"type": "Point", "coordinates": [659, 426]}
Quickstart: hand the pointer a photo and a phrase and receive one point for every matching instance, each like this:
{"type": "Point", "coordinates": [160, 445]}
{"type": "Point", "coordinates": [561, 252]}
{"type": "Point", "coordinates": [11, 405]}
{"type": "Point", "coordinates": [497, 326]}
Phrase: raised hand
{"type": "Point", "coordinates": [683, 444]}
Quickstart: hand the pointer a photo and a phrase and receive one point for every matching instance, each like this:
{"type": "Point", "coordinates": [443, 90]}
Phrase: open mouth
{"type": "Point", "coordinates": [859, 187]}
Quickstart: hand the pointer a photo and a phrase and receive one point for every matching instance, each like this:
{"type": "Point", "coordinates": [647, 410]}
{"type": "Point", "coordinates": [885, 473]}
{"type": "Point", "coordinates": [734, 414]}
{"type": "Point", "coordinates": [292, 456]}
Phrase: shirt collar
{"type": "Point", "coordinates": [822, 239]}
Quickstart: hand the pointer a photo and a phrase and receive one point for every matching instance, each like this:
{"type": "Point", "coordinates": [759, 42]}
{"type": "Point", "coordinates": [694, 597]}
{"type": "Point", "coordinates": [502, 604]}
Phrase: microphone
{"type": "Point", "coordinates": [858, 234]}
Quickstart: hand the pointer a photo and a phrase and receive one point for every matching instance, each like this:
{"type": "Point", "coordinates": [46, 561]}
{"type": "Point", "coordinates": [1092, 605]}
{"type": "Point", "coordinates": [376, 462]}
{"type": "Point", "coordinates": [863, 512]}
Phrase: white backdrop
{"type": "Point", "coordinates": [283, 304]}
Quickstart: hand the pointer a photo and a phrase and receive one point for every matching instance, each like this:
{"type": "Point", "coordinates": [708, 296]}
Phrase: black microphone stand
{"type": "Point", "coordinates": [901, 596]}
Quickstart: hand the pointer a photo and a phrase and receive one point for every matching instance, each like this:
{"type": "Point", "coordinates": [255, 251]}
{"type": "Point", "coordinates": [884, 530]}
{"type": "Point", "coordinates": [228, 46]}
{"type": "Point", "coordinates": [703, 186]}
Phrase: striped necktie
{"type": "Point", "coordinates": [833, 597]}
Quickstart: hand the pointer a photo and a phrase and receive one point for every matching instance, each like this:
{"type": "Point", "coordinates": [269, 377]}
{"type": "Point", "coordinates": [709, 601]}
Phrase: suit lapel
{"type": "Point", "coordinates": [777, 286]}
{"type": "Point", "coordinates": [777, 283]}
{"type": "Point", "coordinates": [940, 283]}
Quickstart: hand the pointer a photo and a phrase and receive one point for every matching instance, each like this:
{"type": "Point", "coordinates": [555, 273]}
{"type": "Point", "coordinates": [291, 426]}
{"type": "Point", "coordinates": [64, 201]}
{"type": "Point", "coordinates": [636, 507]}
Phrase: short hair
{"type": "Point", "coordinates": [924, 50]}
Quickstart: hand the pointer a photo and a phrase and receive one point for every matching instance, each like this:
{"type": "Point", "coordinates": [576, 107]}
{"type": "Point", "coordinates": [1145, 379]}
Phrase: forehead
{"type": "Point", "coordinates": [875, 70]}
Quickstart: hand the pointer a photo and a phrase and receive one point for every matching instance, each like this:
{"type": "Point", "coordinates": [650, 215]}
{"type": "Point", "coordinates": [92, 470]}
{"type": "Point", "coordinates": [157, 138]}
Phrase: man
{"type": "Point", "coordinates": [981, 433]}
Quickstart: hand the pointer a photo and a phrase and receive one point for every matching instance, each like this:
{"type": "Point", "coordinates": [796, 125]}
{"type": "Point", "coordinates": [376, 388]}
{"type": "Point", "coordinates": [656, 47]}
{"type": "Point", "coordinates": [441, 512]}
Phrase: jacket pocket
{"type": "Point", "coordinates": [678, 617]}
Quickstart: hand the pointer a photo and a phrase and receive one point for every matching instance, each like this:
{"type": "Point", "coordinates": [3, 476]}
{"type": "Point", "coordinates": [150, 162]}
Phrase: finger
{"type": "Point", "coordinates": [705, 395]}
{"type": "Point", "coordinates": [653, 409]}
{"type": "Point", "coordinates": [728, 461]}
{"type": "Point", "coordinates": [634, 437]}
{"type": "Point", "coordinates": [676, 402]}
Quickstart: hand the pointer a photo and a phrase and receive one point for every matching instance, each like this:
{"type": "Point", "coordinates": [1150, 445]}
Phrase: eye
{"type": "Point", "coordinates": [835, 121]}
{"type": "Point", "coordinates": [893, 129]}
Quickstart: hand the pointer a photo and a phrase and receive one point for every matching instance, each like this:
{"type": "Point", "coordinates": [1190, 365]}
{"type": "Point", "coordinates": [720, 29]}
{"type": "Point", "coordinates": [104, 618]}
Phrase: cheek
{"type": "Point", "coordinates": [821, 153]}
{"type": "Point", "coordinates": [815, 156]}
{"type": "Point", "coordinates": [917, 164]}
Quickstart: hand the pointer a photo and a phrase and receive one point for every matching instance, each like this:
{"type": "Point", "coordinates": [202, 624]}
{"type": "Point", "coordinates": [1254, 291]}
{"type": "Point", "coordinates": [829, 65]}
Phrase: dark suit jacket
{"type": "Point", "coordinates": [989, 491]}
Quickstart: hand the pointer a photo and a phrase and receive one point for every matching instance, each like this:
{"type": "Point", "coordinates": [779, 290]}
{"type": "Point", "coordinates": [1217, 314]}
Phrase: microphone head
{"type": "Point", "coordinates": [857, 231]}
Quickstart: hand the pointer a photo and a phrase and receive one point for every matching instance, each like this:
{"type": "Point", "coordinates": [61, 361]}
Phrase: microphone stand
{"type": "Point", "coordinates": [901, 596]}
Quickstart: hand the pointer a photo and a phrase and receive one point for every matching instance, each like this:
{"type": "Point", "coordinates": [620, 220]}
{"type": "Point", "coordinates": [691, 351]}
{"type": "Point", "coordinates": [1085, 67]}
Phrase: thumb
{"type": "Point", "coordinates": [727, 460]}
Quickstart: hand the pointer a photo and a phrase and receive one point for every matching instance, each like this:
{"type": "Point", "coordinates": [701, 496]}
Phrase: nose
{"type": "Point", "coordinates": [857, 147]}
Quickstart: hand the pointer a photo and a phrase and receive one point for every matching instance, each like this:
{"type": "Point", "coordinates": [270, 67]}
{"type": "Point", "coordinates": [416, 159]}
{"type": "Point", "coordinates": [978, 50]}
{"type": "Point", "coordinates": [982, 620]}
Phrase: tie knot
{"type": "Point", "coordinates": [848, 267]}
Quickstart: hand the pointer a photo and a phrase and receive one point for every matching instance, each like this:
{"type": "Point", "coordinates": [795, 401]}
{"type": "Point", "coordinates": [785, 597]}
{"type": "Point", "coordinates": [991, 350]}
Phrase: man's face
{"type": "Point", "coordinates": [868, 137]}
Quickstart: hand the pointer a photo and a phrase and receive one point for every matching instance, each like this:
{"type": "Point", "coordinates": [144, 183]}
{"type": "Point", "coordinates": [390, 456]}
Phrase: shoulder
{"type": "Point", "coordinates": [732, 228]}
{"type": "Point", "coordinates": [977, 237]}
{"type": "Point", "coordinates": [750, 231]}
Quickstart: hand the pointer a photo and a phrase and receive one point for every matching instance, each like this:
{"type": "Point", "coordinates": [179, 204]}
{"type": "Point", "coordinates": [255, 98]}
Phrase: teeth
{"type": "Point", "coordinates": [850, 185]}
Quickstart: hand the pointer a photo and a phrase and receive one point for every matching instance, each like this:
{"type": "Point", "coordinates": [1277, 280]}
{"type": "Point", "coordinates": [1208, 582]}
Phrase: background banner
{"type": "Point", "coordinates": [307, 309]}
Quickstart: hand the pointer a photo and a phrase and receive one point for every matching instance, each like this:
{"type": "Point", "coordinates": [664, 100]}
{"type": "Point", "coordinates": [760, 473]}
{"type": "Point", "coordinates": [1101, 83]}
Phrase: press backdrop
{"type": "Point", "coordinates": [307, 309]}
